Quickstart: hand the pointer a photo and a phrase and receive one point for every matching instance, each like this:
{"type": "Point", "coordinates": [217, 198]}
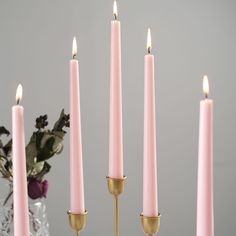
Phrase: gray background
{"type": "Point", "coordinates": [190, 38]}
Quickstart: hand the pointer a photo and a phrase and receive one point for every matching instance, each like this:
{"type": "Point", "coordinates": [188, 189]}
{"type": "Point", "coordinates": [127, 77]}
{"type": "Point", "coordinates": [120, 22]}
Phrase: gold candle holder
{"type": "Point", "coordinates": [77, 221]}
{"type": "Point", "coordinates": [151, 225]}
{"type": "Point", "coordinates": [116, 187]}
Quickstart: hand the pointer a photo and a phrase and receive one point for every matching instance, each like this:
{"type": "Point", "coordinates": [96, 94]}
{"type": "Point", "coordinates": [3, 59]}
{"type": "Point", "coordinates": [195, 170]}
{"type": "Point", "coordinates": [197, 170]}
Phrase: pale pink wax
{"type": "Point", "coordinates": [115, 129]}
{"type": "Point", "coordinates": [150, 204]}
{"type": "Point", "coordinates": [20, 194]}
{"type": "Point", "coordinates": [76, 160]}
{"type": "Point", "coordinates": [205, 217]}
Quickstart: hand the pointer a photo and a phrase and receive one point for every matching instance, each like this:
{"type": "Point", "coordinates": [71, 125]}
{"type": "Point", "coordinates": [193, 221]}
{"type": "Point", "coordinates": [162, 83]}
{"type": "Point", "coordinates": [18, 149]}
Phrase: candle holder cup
{"type": "Point", "coordinates": [116, 187]}
{"type": "Point", "coordinates": [151, 225]}
{"type": "Point", "coordinates": [77, 221]}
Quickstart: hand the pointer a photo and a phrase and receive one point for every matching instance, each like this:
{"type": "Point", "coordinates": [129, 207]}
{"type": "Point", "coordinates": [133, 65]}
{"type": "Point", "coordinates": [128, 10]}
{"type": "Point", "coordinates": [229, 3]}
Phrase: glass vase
{"type": "Point", "coordinates": [39, 225]}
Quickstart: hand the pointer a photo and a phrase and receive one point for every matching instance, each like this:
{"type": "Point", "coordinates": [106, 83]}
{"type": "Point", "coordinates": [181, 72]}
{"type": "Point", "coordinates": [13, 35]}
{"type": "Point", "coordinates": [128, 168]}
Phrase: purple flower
{"type": "Point", "coordinates": [45, 188]}
{"type": "Point", "coordinates": [37, 189]}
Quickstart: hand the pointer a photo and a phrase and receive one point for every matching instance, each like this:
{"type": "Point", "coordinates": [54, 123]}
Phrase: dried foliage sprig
{"type": "Point", "coordinates": [43, 145]}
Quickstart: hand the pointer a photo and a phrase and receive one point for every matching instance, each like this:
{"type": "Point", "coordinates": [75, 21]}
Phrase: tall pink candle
{"type": "Point", "coordinates": [150, 204]}
{"type": "Point", "coordinates": [115, 130]}
{"type": "Point", "coordinates": [205, 217]}
{"type": "Point", "coordinates": [20, 195]}
{"type": "Point", "coordinates": [76, 160]}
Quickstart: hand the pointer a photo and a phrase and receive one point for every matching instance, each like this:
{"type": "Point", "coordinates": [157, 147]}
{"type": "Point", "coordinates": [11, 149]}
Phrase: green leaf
{"type": "Point", "coordinates": [46, 168]}
{"type": "Point", "coordinates": [60, 134]}
{"type": "Point", "coordinates": [62, 122]}
{"type": "Point", "coordinates": [39, 136]}
{"type": "Point", "coordinates": [3, 154]}
{"type": "Point", "coordinates": [6, 174]}
{"type": "Point", "coordinates": [57, 125]}
{"type": "Point", "coordinates": [8, 148]}
{"type": "Point", "coordinates": [3, 130]}
{"type": "Point", "coordinates": [58, 143]}
{"type": "Point", "coordinates": [31, 151]}
{"type": "Point", "coordinates": [36, 168]}
{"type": "Point", "coordinates": [47, 151]}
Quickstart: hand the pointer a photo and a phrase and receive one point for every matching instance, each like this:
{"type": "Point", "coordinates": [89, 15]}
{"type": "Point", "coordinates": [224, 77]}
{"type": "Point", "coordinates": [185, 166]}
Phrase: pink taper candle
{"type": "Point", "coordinates": [20, 194]}
{"type": "Point", "coordinates": [76, 160]}
{"type": "Point", "coordinates": [205, 216]}
{"type": "Point", "coordinates": [150, 204]}
{"type": "Point", "coordinates": [115, 129]}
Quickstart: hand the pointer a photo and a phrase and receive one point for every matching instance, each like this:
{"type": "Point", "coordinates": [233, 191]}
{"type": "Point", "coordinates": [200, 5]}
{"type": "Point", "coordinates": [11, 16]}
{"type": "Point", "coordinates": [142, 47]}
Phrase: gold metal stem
{"type": "Point", "coordinates": [116, 187]}
{"type": "Point", "coordinates": [116, 216]}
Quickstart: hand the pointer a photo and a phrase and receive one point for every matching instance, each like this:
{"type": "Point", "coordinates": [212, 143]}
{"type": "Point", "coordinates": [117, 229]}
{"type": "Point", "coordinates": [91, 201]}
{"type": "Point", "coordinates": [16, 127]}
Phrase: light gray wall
{"type": "Point", "coordinates": [190, 38]}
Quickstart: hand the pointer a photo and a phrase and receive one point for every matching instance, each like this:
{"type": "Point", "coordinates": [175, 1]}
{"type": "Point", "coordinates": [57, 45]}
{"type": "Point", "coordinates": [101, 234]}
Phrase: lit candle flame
{"type": "Point", "coordinates": [19, 92]}
{"type": "Point", "coordinates": [149, 41]}
{"type": "Point", "coordinates": [205, 86]}
{"type": "Point", "coordinates": [74, 48]}
{"type": "Point", "coordinates": [115, 10]}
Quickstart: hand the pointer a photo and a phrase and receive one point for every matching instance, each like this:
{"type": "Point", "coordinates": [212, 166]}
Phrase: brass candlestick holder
{"type": "Point", "coordinates": [77, 221]}
{"type": "Point", "coordinates": [116, 187]}
{"type": "Point", "coordinates": [151, 225]}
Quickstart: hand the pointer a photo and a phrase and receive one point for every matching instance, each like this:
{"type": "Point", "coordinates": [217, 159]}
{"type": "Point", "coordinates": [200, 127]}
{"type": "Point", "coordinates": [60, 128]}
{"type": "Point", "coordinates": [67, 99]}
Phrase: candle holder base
{"type": "Point", "coordinates": [151, 225]}
{"type": "Point", "coordinates": [77, 221]}
{"type": "Point", "coordinates": [116, 187]}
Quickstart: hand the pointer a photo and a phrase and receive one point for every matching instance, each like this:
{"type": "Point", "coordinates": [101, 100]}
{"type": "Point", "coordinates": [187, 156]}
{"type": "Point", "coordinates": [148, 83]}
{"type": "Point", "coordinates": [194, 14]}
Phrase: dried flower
{"type": "Point", "coordinates": [37, 189]}
{"type": "Point", "coordinates": [41, 122]}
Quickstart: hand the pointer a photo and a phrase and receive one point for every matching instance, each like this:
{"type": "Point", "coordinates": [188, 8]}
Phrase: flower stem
{"type": "Point", "coordinates": [7, 198]}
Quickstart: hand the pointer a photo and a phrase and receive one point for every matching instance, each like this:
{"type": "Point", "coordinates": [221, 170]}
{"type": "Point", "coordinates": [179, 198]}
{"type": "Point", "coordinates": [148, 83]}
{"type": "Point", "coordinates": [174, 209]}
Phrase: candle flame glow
{"type": "Point", "coordinates": [115, 9]}
{"type": "Point", "coordinates": [205, 86]}
{"type": "Point", "coordinates": [74, 48]}
{"type": "Point", "coordinates": [19, 92]}
{"type": "Point", "coordinates": [149, 41]}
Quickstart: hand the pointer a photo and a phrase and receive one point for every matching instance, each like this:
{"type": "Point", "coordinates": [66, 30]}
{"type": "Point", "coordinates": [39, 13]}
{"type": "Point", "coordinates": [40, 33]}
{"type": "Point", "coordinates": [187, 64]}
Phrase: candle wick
{"type": "Point", "coordinates": [74, 56]}
{"type": "Point", "coordinates": [115, 16]}
{"type": "Point", "coordinates": [18, 101]}
{"type": "Point", "coordinates": [206, 96]}
{"type": "Point", "coordinates": [149, 50]}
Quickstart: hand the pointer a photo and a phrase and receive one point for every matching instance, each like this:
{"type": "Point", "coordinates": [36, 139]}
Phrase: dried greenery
{"type": "Point", "coordinates": [43, 145]}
